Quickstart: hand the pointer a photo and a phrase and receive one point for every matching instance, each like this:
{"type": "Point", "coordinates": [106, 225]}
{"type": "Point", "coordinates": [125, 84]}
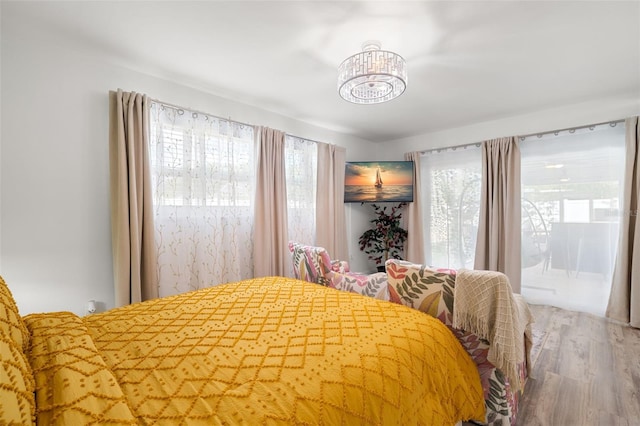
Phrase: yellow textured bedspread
{"type": "Point", "coordinates": [263, 351]}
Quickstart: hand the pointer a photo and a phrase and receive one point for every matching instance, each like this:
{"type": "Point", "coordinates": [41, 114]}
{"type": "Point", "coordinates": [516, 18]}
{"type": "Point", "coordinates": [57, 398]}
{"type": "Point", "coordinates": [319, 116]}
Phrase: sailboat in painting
{"type": "Point", "coordinates": [364, 182]}
{"type": "Point", "coordinates": [378, 179]}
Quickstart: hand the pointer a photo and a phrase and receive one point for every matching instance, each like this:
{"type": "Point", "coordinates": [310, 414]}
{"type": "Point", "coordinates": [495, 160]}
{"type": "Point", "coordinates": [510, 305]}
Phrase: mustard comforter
{"type": "Point", "coordinates": [262, 351]}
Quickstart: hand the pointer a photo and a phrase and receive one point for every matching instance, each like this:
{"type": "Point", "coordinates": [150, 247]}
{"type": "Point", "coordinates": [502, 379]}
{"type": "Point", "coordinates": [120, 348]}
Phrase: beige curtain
{"type": "Point", "coordinates": [624, 302]}
{"type": "Point", "coordinates": [331, 228]}
{"type": "Point", "coordinates": [499, 227]}
{"type": "Point", "coordinates": [270, 251]}
{"type": "Point", "coordinates": [412, 218]}
{"type": "Point", "coordinates": [132, 229]}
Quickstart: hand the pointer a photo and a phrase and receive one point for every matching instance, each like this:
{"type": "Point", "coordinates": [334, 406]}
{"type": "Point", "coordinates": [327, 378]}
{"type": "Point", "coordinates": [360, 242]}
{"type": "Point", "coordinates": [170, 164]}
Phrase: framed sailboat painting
{"type": "Point", "coordinates": [378, 182]}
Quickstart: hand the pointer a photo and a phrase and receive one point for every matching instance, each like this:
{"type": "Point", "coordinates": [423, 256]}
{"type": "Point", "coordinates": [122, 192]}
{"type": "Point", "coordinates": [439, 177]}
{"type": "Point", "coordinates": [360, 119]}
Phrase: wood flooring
{"type": "Point", "coordinates": [587, 372]}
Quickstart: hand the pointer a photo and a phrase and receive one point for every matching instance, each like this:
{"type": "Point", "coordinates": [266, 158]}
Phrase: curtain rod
{"type": "Point", "coordinates": [179, 108]}
{"type": "Point", "coordinates": [613, 123]}
{"type": "Point", "coordinates": [426, 151]}
{"type": "Point", "coordinates": [307, 139]}
{"type": "Point", "coordinates": [452, 148]}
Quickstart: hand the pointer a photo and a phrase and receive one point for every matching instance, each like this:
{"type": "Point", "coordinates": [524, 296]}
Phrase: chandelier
{"type": "Point", "coordinates": [372, 76]}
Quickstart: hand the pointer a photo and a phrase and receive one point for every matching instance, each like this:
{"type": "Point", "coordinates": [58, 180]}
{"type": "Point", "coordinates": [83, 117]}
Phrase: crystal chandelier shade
{"type": "Point", "coordinates": [372, 76]}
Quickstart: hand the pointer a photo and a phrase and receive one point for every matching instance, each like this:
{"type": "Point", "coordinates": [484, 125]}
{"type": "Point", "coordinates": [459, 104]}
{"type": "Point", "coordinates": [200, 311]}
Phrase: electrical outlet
{"type": "Point", "coordinates": [91, 307]}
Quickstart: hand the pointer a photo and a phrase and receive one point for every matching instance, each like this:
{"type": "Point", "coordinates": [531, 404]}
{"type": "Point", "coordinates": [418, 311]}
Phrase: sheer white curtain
{"type": "Point", "coordinates": [571, 190]}
{"type": "Point", "coordinates": [301, 164]}
{"type": "Point", "coordinates": [203, 172]}
{"type": "Point", "coordinates": [451, 183]}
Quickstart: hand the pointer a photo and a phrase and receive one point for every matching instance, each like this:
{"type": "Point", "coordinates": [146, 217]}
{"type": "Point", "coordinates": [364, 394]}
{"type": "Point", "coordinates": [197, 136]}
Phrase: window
{"type": "Point", "coordinates": [201, 160]}
{"type": "Point", "coordinates": [451, 196]}
{"type": "Point", "coordinates": [301, 158]}
{"type": "Point", "coordinates": [203, 177]}
{"type": "Point", "coordinates": [571, 188]}
{"type": "Point", "coordinates": [570, 211]}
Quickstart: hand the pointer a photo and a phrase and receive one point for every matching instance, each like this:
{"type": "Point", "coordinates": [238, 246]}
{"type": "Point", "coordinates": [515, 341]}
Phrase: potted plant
{"type": "Point", "coordinates": [386, 238]}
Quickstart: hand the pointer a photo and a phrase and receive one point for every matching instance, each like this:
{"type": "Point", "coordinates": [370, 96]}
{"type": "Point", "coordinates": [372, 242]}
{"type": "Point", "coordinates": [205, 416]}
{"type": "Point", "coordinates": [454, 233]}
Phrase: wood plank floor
{"type": "Point", "coordinates": [587, 372]}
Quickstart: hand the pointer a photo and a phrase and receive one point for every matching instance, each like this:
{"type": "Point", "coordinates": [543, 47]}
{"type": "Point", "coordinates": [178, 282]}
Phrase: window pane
{"type": "Point", "coordinates": [571, 186]}
{"type": "Point", "coordinates": [200, 160]}
{"type": "Point", "coordinates": [452, 183]}
{"type": "Point", "coordinates": [202, 180]}
{"type": "Point", "coordinates": [301, 158]}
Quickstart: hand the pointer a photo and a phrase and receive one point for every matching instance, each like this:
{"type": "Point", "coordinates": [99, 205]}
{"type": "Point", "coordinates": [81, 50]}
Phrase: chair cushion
{"type": "Point", "coordinates": [310, 263]}
{"type": "Point", "coordinates": [374, 285]}
{"type": "Point", "coordinates": [340, 266]}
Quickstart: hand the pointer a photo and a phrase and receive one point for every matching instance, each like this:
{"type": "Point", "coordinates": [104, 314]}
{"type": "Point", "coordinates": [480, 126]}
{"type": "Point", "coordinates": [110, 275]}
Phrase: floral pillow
{"type": "Point", "coordinates": [420, 287]}
{"type": "Point", "coordinates": [374, 285]}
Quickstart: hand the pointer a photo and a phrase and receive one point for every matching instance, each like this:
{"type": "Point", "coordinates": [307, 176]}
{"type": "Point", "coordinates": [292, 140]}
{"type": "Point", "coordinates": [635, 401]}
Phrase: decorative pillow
{"type": "Point", "coordinates": [11, 322]}
{"type": "Point", "coordinates": [74, 385]}
{"type": "Point", "coordinates": [374, 285]}
{"type": "Point", "coordinates": [16, 384]}
{"type": "Point", "coordinates": [423, 288]}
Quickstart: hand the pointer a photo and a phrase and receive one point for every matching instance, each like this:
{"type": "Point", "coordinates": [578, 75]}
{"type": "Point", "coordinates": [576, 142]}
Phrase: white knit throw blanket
{"type": "Point", "coordinates": [484, 305]}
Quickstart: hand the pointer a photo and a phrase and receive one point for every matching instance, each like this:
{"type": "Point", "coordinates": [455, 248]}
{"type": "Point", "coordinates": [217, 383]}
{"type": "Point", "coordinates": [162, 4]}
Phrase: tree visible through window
{"type": "Point", "coordinates": [451, 179]}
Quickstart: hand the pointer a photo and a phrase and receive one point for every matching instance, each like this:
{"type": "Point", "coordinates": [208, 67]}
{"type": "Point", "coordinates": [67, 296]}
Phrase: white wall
{"type": "Point", "coordinates": [54, 169]}
{"type": "Point", "coordinates": [595, 111]}
{"type": "Point", "coordinates": [55, 243]}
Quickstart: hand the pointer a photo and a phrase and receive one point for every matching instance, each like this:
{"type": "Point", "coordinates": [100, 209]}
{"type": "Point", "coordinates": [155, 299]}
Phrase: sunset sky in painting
{"type": "Point", "coordinates": [393, 173]}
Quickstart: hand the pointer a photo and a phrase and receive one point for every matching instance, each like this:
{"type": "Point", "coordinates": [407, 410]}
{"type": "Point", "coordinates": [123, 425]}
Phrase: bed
{"type": "Point", "coordinates": [479, 307]}
{"type": "Point", "coordinates": [262, 351]}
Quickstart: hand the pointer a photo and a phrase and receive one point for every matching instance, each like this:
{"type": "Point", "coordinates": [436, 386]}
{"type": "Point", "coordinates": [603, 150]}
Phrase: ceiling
{"type": "Point", "coordinates": [468, 62]}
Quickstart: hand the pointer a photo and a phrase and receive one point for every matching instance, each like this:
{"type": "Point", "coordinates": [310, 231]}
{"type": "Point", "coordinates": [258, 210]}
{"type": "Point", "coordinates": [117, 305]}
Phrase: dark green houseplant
{"type": "Point", "coordinates": [385, 240]}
